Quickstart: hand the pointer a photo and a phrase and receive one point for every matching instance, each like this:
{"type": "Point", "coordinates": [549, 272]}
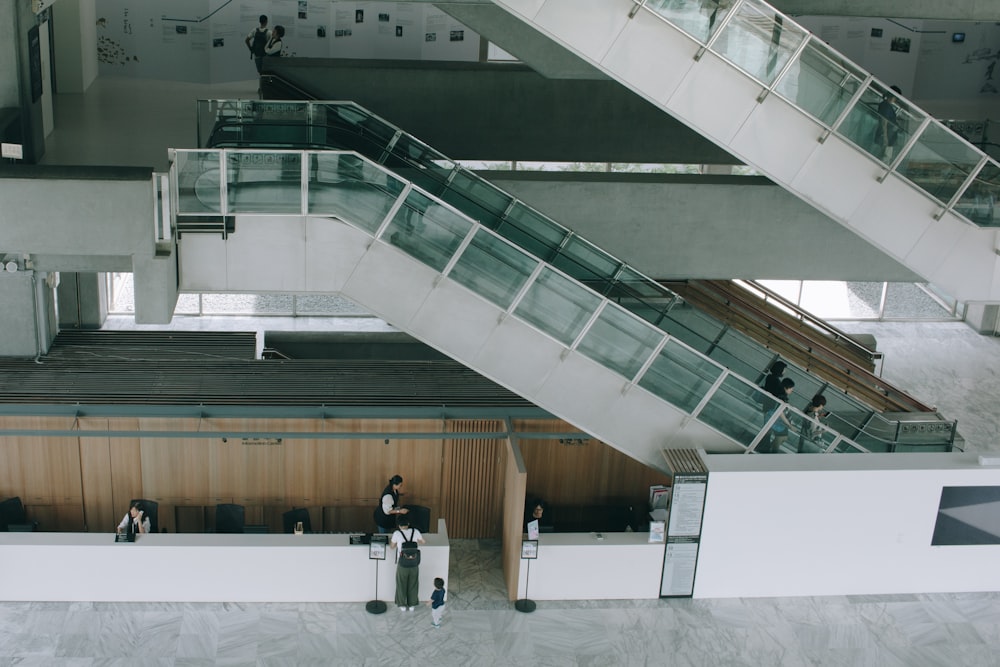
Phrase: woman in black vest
{"type": "Point", "coordinates": [388, 507]}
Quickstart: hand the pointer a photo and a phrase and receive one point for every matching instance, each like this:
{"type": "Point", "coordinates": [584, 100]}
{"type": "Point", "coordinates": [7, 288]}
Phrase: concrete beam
{"type": "Point", "coordinates": [676, 226]}
{"type": "Point", "coordinates": [503, 111]}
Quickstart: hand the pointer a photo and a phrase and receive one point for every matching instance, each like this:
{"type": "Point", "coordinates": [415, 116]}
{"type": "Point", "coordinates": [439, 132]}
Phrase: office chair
{"type": "Point", "coordinates": [293, 516]}
{"type": "Point", "coordinates": [229, 518]}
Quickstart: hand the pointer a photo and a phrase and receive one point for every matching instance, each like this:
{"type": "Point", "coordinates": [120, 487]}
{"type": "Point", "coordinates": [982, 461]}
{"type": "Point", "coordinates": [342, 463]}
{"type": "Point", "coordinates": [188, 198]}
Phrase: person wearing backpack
{"type": "Point", "coordinates": [257, 41]}
{"type": "Point", "coordinates": [407, 541]}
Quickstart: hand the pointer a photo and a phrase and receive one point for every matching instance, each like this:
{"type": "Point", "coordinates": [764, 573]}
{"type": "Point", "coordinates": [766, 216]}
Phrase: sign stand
{"type": "Point", "coordinates": [529, 552]}
{"type": "Point", "coordinates": [376, 552]}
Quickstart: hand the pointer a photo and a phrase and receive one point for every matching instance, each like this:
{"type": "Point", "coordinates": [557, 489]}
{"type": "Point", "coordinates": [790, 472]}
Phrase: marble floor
{"type": "Point", "coordinates": [481, 628]}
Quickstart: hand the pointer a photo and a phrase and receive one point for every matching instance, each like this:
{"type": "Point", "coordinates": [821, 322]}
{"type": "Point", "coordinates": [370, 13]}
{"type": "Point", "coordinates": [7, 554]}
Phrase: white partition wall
{"type": "Point", "coordinates": [187, 567]}
{"type": "Point", "coordinates": [845, 525]}
{"type": "Point", "coordinates": [725, 104]}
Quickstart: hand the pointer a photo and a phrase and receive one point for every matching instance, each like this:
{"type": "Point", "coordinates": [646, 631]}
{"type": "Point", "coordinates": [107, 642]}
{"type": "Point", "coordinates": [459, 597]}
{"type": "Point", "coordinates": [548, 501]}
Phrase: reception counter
{"type": "Point", "coordinates": [190, 567]}
{"type": "Point", "coordinates": [579, 566]}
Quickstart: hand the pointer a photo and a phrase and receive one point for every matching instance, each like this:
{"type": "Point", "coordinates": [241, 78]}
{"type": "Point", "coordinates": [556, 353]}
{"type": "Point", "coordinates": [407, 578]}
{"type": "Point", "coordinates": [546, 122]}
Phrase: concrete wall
{"type": "Point", "coordinates": [75, 44]}
{"type": "Point", "coordinates": [703, 226]}
{"type": "Point", "coordinates": [505, 111]}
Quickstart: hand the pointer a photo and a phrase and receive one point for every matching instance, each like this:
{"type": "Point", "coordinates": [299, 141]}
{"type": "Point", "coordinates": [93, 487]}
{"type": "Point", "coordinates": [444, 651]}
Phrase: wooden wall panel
{"type": "Point", "coordinates": [95, 470]}
{"type": "Point", "coordinates": [469, 485]}
{"type": "Point", "coordinates": [593, 473]}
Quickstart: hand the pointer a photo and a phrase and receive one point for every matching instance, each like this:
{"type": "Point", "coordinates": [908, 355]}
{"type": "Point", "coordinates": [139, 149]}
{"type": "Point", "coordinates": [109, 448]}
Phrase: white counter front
{"type": "Point", "coordinates": [579, 566]}
{"type": "Point", "coordinates": [187, 567]}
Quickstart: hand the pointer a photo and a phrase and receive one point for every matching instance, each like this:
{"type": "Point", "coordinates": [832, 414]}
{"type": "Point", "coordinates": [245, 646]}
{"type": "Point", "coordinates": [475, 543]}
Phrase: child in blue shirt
{"type": "Point", "coordinates": [437, 602]}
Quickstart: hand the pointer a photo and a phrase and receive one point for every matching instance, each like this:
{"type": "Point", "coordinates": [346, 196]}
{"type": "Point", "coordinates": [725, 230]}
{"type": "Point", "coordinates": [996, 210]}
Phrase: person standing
{"type": "Point", "coordinates": [887, 130]}
{"type": "Point", "coordinates": [274, 44]}
{"type": "Point", "coordinates": [407, 541]}
{"type": "Point", "coordinates": [135, 520]}
{"type": "Point", "coordinates": [437, 602]}
{"type": "Point", "coordinates": [388, 506]}
{"type": "Point", "coordinates": [257, 40]}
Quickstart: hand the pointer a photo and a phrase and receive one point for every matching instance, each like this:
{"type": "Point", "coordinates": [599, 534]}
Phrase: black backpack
{"type": "Point", "coordinates": [409, 553]}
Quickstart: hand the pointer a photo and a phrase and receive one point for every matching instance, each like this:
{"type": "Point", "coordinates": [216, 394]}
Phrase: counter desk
{"type": "Point", "coordinates": [584, 566]}
{"type": "Point", "coordinates": [194, 567]}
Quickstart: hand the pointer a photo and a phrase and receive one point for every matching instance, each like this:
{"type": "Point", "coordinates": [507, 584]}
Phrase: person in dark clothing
{"type": "Point", "coordinates": [388, 509]}
{"type": "Point", "coordinates": [257, 41]}
{"type": "Point", "coordinates": [772, 383]}
{"type": "Point", "coordinates": [888, 129]}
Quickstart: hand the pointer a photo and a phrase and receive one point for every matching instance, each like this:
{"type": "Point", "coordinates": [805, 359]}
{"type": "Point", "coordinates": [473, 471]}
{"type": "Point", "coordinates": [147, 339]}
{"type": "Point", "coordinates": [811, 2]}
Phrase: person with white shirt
{"type": "Point", "coordinates": [135, 520]}
{"type": "Point", "coordinates": [407, 568]}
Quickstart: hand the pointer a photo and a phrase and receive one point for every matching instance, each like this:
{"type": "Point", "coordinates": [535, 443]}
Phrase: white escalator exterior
{"type": "Point", "coordinates": [670, 68]}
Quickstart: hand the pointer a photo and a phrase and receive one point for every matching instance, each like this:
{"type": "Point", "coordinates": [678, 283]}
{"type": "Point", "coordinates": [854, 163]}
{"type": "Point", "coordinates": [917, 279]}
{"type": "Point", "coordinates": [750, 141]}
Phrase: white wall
{"type": "Point", "coordinates": [837, 525]}
{"type": "Point", "coordinates": [948, 79]}
{"type": "Point", "coordinates": [141, 39]}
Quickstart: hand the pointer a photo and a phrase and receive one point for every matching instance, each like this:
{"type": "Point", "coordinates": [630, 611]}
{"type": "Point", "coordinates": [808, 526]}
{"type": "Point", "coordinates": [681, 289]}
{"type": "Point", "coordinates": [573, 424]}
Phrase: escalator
{"type": "Point", "coordinates": [765, 89]}
{"type": "Point", "coordinates": [856, 401]}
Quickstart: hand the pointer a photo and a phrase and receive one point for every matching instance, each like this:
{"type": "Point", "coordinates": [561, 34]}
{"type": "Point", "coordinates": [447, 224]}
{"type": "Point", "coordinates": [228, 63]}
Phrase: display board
{"type": "Point", "coordinates": [680, 559]}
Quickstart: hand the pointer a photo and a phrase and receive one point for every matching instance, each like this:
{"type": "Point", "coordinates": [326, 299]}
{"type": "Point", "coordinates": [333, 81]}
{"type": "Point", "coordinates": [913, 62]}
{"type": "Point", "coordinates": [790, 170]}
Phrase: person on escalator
{"type": "Point", "coordinates": [889, 125]}
{"type": "Point", "coordinates": [780, 428]}
{"type": "Point", "coordinates": [274, 44]}
{"type": "Point", "coordinates": [815, 412]}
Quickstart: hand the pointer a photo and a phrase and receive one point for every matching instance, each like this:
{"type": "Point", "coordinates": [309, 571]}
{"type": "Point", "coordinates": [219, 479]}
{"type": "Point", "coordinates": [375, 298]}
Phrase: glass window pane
{"type": "Point", "coordinates": [198, 189]}
{"type": "Point", "coordinates": [697, 18]}
{"type": "Point", "coordinates": [939, 162]}
{"type": "Point", "coordinates": [820, 82]}
{"type": "Point", "coordinates": [426, 230]}
{"type": "Point", "coordinates": [680, 376]}
{"type": "Point", "coordinates": [345, 186]}
{"type": "Point", "coordinates": [759, 40]}
{"type": "Point", "coordinates": [620, 341]}
{"type": "Point", "coordinates": [532, 231]}
{"type": "Point", "coordinates": [979, 201]}
{"type": "Point", "coordinates": [493, 268]}
{"type": "Point", "coordinates": [558, 306]}
{"type": "Point", "coordinates": [264, 182]}
{"type": "Point", "coordinates": [742, 355]}
{"type": "Point", "coordinates": [735, 409]}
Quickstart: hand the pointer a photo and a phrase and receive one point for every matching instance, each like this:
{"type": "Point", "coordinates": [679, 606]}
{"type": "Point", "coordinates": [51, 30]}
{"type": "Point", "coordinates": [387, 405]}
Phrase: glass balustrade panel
{"type": "Point", "coordinates": [741, 355]}
{"type": "Point", "coordinates": [587, 263]}
{"type": "Point", "coordinates": [697, 18]}
{"type": "Point", "coordinates": [477, 198]}
{"type": "Point", "coordinates": [641, 296]}
{"type": "Point", "coordinates": [198, 182]}
{"type": "Point", "coordinates": [759, 40]}
{"type": "Point", "coordinates": [264, 182]}
{"type": "Point", "coordinates": [345, 186]}
{"type": "Point", "coordinates": [426, 230]}
{"type": "Point", "coordinates": [880, 123]}
{"type": "Point", "coordinates": [680, 376]}
{"type": "Point", "coordinates": [738, 410]}
{"type": "Point", "coordinates": [558, 306]}
{"type": "Point", "coordinates": [532, 231]}
{"type": "Point", "coordinates": [820, 82]}
{"type": "Point", "coordinates": [811, 436]}
{"type": "Point", "coordinates": [493, 268]}
{"type": "Point", "coordinates": [424, 167]}
{"type": "Point", "coordinates": [359, 122]}
{"type": "Point", "coordinates": [939, 162]}
{"type": "Point", "coordinates": [692, 327]}
{"type": "Point", "coordinates": [980, 202]}
{"type": "Point", "coordinates": [620, 341]}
